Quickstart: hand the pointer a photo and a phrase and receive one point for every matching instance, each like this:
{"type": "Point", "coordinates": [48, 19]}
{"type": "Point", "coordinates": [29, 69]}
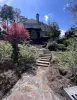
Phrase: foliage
{"type": "Point", "coordinates": [72, 7]}
{"type": "Point", "coordinates": [23, 20]}
{"type": "Point", "coordinates": [54, 46]}
{"type": "Point", "coordinates": [17, 14]}
{"type": "Point", "coordinates": [27, 43]}
{"type": "Point", "coordinates": [7, 12]}
{"type": "Point", "coordinates": [15, 35]}
{"type": "Point", "coordinates": [53, 30]}
{"type": "Point", "coordinates": [62, 47]}
{"type": "Point", "coordinates": [68, 58]}
{"type": "Point", "coordinates": [5, 50]}
{"type": "Point", "coordinates": [69, 41]}
{"type": "Point", "coordinates": [11, 14]}
{"type": "Point", "coordinates": [71, 33]}
{"type": "Point", "coordinates": [28, 53]}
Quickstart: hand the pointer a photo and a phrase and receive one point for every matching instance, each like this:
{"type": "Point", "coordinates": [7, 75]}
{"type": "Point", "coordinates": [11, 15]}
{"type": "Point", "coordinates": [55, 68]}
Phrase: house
{"type": "Point", "coordinates": [37, 29]}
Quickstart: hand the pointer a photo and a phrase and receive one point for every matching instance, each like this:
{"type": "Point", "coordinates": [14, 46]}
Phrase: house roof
{"type": "Point", "coordinates": [32, 23]}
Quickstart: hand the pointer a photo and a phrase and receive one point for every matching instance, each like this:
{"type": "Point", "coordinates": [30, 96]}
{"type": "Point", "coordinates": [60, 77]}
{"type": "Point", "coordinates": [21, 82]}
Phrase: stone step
{"type": "Point", "coordinates": [42, 59]}
{"type": "Point", "coordinates": [45, 57]}
{"type": "Point", "coordinates": [45, 50]}
{"type": "Point", "coordinates": [42, 62]}
{"type": "Point", "coordinates": [42, 65]}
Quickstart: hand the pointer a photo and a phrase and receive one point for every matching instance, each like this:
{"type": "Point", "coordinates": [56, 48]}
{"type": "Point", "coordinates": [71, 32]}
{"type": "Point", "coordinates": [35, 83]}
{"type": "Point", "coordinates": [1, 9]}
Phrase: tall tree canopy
{"type": "Point", "coordinates": [72, 7]}
{"type": "Point", "coordinates": [7, 13]}
{"type": "Point", "coordinates": [22, 19]}
{"type": "Point", "coordinates": [53, 30]}
{"type": "Point", "coordinates": [17, 13]}
{"type": "Point", "coordinates": [11, 14]}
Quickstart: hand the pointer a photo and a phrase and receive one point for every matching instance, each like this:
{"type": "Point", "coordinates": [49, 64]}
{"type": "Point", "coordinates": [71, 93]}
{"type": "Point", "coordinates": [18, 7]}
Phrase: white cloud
{"type": "Point", "coordinates": [48, 16]}
{"type": "Point", "coordinates": [62, 32]}
{"type": "Point", "coordinates": [66, 6]}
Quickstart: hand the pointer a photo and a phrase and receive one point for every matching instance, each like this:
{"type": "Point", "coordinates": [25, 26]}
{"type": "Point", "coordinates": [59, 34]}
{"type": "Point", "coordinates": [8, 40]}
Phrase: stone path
{"type": "Point", "coordinates": [31, 87]}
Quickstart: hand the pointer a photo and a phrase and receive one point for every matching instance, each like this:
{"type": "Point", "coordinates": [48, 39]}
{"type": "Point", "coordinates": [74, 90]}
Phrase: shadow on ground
{"type": "Point", "coordinates": [10, 73]}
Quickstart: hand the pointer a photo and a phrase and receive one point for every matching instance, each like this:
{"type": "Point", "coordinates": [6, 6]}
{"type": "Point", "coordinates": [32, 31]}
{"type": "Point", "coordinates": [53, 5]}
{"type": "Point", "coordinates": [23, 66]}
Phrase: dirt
{"type": "Point", "coordinates": [60, 78]}
{"type": "Point", "coordinates": [11, 73]}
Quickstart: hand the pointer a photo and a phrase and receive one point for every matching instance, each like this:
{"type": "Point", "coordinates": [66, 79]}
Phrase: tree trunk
{"type": "Point", "coordinates": [15, 53]}
{"type": "Point", "coordinates": [7, 22]}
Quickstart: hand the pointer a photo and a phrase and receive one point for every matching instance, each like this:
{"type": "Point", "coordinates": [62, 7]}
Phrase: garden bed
{"type": "Point", "coordinates": [61, 76]}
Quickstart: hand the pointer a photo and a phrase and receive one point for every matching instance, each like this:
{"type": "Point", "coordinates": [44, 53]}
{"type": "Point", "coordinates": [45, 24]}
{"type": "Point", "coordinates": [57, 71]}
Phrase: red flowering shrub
{"type": "Point", "coordinates": [15, 35]}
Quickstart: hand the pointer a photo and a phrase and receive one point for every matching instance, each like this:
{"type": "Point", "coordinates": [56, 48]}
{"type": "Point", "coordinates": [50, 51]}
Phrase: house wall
{"type": "Point", "coordinates": [43, 34]}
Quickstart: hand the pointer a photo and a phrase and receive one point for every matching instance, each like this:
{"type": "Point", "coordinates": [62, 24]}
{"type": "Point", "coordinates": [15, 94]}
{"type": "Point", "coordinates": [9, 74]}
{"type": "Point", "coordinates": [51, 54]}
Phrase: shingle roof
{"type": "Point", "coordinates": [32, 23]}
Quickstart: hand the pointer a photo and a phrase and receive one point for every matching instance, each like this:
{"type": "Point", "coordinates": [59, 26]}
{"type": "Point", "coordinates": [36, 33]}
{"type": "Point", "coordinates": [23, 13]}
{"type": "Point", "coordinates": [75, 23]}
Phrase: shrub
{"type": "Point", "coordinates": [69, 41]}
{"type": "Point", "coordinates": [54, 46]}
{"type": "Point", "coordinates": [5, 50]}
{"type": "Point", "coordinates": [15, 34]}
{"type": "Point", "coordinates": [62, 47]}
{"type": "Point", "coordinates": [68, 58]}
{"type": "Point", "coordinates": [26, 43]}
{"type": "Point", "coordinates": [29, 53]}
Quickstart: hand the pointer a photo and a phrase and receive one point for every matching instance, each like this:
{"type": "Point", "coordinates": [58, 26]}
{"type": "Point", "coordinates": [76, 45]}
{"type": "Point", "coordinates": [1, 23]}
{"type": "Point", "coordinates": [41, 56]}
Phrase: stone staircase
{"type": "Point", "coordinates": [44, 60]}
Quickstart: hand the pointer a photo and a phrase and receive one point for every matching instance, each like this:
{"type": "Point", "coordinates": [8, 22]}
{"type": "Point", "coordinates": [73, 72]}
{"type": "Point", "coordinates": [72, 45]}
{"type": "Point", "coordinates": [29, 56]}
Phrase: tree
{"type": "Point", "coordinates": [7, 13]}
{"type": "Point", "coordinates": [23, 20]}
{"type": "Point", "coordinates": [70, 32]}
{"type": "Point", "coordinates": [72, 8]}
{"type": "Point", "coordinates": [53, 30]}
{"type": "Point", "coordinates": [15, 35]}
{"type": "Point", "coordinates": [17, 14]}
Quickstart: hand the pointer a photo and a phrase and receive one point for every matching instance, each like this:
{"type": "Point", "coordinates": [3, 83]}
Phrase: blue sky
{"type": "Point", "coordinates": [48, 9]}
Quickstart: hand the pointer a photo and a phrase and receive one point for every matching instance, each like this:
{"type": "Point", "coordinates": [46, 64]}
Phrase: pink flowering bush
{"type": "Point", "coordinates": [15, 35]}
